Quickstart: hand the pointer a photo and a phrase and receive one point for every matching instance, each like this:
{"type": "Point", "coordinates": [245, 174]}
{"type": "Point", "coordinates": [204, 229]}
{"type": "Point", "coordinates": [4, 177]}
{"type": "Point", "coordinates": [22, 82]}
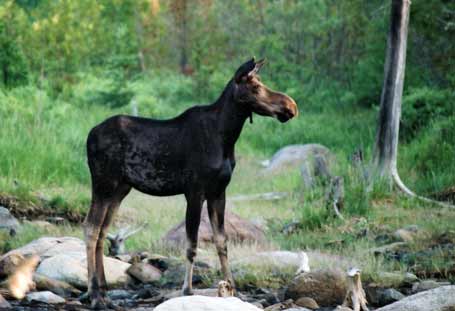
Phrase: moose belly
{"type": "Point", "coordinates": [159, 182]}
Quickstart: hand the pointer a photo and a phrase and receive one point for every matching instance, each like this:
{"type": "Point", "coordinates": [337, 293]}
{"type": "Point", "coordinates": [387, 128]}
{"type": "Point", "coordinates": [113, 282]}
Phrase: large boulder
{"type": "Point", "coordinates": [438, 299]}
{"type": "Point", "coordinates": [46, 247]}
{"type": "Point", "coordinates": [327, 287]}
{"type": "Point", "coordinates": [7, 221]}
{"type": "Point", "coordinates": [204, 303]}
{"type": "Point", "coordinates": [296, 156]}
{"type": "Point", "coordinates": [71, 267]}
{"type": "Point", "coordinates": [236, 228]}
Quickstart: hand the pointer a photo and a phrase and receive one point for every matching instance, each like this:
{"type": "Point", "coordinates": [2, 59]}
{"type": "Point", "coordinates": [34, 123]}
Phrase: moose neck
{"type": "Point", "coordinates": [232, 116]}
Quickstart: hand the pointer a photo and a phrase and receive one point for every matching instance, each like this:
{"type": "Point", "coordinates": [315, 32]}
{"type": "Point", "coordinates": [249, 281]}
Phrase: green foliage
{"type": "Point", "coordinates": [421, 106]}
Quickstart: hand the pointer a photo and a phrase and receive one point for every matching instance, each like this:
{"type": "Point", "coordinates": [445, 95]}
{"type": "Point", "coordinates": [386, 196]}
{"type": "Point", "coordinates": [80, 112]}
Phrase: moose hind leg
{"type": "Point", "coordinates": [216, 207]}
{"type": "Point", "coordinates": [192, 221]}
{"type": "Point", "coordinates": [92, 228]}
{"type": "Point", "coordinates": [121, 192]}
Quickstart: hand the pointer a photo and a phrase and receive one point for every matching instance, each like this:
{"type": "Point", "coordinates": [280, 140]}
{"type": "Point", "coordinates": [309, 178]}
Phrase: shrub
{"type": "Point", "coordinates": [421, 105]}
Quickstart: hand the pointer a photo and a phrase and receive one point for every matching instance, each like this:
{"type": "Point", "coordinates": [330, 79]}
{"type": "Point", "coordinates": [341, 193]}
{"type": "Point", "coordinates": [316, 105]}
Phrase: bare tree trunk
{"type": "Point", "coordinates": [386, 148]}
{"type": "Point", "coordinates": [385, 155]}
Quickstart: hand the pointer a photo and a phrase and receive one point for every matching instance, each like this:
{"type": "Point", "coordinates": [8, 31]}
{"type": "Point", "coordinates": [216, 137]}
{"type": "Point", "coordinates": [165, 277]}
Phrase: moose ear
{"type": "Point", "coordinates": [244, 70]}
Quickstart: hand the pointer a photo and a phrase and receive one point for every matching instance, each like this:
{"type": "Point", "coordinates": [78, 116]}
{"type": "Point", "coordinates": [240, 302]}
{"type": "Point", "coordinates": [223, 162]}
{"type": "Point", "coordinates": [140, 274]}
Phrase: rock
{"type": "Point", "coordinates": [389, 248]}
{"type": "Point", "coordinates": [237, 230]}
{"type": "Point", "coordinates": [388, 296]}
{"type": "Point", "coordinates": [8, 222]}
{"type": "Point", "coordinates": [3, 303]}
{"type": "Point", "coordinates": [326, 286]}
{"type": "Point", "coordinates": [203, 303]}
{"type": "Point", "coordinates": [426, 285]}
{"type": "Point", "coordinates": [409, 278]}
{"type": "Point", "coordinates": [438, 299]}
{"type": "Point", "coordinates": [158, 261]}
{"type": "Point", "coordinates": [46, 247]}
{"type": "Point", "coordinates": [295, 156]}
{"type": "Point", "coordinates": [406, 234]}
{"type": "Point", "coordinates": [285, 305]}
{"type": "Point", "coordinates": [116, 294]}
{"type": "Point", "coordinates": [341, 308]}
{"type": "Point", "coordinates": [43, 283]}
{"type": "Point", "coordinates": [46, 297]}
{"type": "Point", "coordinates": [379, 296]}
{"type": "Point", "coordinates": [144, 272]}
{"type": "Point", "coordinates": [71, 267]}
{"type": "Point", "coordinates": [307, 302]}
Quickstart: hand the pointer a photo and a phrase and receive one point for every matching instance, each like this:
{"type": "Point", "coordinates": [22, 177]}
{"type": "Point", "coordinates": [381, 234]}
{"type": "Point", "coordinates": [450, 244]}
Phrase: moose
{"type": "Point", "coordinates": [191, 154]}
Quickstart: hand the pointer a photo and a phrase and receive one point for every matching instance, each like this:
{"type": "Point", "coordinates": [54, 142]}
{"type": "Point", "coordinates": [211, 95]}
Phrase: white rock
{"type": "Point", "coordinates": [203, 303]}
{"type": "Point", "coordinates": [46, 297]}
{"type": "Point", "coordinates": [71, 267]}
{"type": "Point", "coordinates": [437, 299]}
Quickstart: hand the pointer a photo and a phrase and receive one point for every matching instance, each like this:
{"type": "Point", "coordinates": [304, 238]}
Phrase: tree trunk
{"type": "Point", "coordinates": [386, 149]}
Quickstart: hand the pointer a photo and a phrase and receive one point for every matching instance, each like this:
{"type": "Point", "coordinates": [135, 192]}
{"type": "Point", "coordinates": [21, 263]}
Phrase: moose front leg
{"type": "Point", "coordinates": [192, 221]}
{"type": "Point", "coordinates": [216, 207]}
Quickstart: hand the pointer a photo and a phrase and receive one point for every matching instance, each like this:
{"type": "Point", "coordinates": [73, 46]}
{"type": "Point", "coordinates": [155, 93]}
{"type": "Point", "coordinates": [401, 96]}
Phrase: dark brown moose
{"type": "Point", "coordinates": [191, 154]}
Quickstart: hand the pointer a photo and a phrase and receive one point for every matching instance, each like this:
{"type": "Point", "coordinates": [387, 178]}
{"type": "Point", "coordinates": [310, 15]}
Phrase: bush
{"type": "Point", "coordinates": [12, 61]}
{"type": "Point", "coordinates": [421, 105]}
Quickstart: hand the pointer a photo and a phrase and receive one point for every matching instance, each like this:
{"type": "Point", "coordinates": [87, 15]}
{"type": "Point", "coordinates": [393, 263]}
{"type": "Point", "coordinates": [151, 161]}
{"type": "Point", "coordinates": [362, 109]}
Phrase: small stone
{"type": "Point", "coordinates": [307, 302]}
{"type": "Point", "coordinates": [46, 297]}
{"type": "Point", "coordinates": [7, 221]}
{"type": "Point", "coordinates": [116, 294]}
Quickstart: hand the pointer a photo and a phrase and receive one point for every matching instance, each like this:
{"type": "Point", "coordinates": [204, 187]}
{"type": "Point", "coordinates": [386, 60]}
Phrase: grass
{"type": "Point", "coordinates": [42, 154]}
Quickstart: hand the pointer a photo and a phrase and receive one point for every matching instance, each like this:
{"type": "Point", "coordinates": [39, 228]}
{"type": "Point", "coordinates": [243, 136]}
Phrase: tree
{"type": "Point", "coordinates": [386, 147]}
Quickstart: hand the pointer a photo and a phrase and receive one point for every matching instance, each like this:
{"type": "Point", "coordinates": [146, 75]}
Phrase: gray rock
{"type": "Point", "coordinates": [46, 297]}
{"type": "Point", "coordinates": [71, 267]}
{"type": "Point", "coordinates": [438, 299]}
{"type": "Point", "coordinates": [144, 272]}
{"type": "Point", "coordinates": [389, 296]}
{"type": "Point", "coordinates": [46, 247]}
{"type": "Point", "coordinates": [116, 294]}
{"type": "Point", "coordinates": [326, 286]}
{"type": "Point", "coordinates": [427, 285]}
{"type": "Point", "coordinates": [295, 156]}
{"type": "Point", "coordinates": [8, 222]}
{"type": "Point", "coordinates": [3, 303]}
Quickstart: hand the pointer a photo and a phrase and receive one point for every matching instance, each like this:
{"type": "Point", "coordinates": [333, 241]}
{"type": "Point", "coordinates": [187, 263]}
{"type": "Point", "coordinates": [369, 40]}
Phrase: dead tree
{"type": "Point", "coordinates": [386, 147]}
{"type": "Point", "coordinates": [355, 296]}
{"type": "Point", "coordinates": [334, 196]}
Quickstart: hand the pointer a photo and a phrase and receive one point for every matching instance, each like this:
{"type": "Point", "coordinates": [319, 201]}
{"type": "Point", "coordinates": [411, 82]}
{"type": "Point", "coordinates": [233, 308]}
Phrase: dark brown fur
{"type": "Point", "coordinates": [192, 154]}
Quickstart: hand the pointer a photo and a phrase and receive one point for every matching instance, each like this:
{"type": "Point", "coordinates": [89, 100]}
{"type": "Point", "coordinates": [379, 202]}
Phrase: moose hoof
{"type": "Point", "coordinates": [187, 292]}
